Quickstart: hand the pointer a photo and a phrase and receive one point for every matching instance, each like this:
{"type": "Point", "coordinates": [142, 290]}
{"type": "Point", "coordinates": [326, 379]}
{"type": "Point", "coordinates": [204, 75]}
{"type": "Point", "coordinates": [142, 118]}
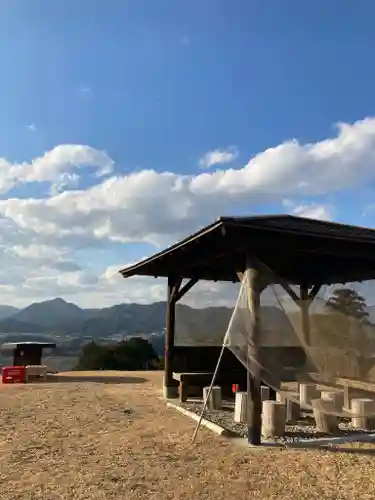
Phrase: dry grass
{"type": "Point", "coordinates": [76, 440]}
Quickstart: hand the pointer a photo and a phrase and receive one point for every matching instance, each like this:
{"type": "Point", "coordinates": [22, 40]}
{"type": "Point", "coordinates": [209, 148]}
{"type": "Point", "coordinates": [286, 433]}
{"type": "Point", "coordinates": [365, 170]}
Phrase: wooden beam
{"type": "Point", "coordinates": [292, 294]}
{"type": "Point", "coordinates": [305, 319]}
{"type": "Point", "coordinates": [314, 292]}
{"type": "Point", "coordinates": [278, 279]}
{"type": "Point", "coordinates": [175, 283]}
{"type": "Point", "coordinates": [240, 276]}
{"type": "Point", "coordinates": [254, 410]}
{"type": "Point", "coordinates": [184, 290]}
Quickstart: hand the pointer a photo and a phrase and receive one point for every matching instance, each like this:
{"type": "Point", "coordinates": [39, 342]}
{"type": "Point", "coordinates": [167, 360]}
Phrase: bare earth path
{"type": "Point", "coordinates": [83, 440]}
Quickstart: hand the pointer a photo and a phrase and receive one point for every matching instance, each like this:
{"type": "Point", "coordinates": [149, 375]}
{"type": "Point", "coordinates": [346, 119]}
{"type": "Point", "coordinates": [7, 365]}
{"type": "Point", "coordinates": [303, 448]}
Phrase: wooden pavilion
{"type": "Point", "coordinates": [303, 252]}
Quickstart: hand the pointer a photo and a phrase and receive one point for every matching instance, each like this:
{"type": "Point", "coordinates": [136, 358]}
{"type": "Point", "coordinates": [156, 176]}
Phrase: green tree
{"type": "Point", "coordinates": [132, 354]}
{"type": "Point", "coordinates": [348, 302]}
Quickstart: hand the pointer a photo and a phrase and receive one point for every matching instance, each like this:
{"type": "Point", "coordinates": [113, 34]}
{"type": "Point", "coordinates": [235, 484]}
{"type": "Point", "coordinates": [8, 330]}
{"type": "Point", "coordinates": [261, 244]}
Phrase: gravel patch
{"type": "Point", "coordinates": [301, 430]}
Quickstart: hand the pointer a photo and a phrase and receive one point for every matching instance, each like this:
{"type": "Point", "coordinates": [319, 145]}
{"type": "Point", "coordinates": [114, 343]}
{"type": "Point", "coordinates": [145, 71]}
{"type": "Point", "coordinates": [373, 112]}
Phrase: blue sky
{"type": "Point", "coordinates": [153, 87]}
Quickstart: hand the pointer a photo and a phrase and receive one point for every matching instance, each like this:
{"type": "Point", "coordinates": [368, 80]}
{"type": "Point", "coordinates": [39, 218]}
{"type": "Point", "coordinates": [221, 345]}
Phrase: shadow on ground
{"type": "Point", "coordinates": [96, 378]}
{"type": "Point", "coordinates": [353, 451]}
{"type": "Point", "coordinates": [346, 447]}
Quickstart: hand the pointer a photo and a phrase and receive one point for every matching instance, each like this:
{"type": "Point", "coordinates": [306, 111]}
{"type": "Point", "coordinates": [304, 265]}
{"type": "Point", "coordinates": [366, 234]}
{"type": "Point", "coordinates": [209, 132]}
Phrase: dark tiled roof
{"type": "Point", "coordinates": [295, 247]}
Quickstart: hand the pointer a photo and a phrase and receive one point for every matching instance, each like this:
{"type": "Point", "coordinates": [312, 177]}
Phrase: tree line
{"type": "Point", "coordinates": [133, 354]}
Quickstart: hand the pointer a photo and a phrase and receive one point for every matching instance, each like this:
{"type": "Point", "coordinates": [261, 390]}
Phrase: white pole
{"type": "Point", "coordinates": [208, 394]}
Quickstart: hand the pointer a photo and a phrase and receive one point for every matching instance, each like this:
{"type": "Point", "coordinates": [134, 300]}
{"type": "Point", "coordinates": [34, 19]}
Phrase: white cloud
{"type": "Point", "coordinates": [156, 207]}
{"type": "Point", "coordinates": [149, 206]}
{"type": "Point", "coordinates": [310, 210]}
{"type": "Point", "coordinates": [314, 211]}
{"type": "Point", "coordinates": [31, 127]}
{"type": "Point", "coordinates": [38, 252]}
{"type": "Point", "coordinates": [54, 166]}
{"type": "Point", "coordinates": [218, 157]}
{"type": "Point", "coordinates": [85, 90]}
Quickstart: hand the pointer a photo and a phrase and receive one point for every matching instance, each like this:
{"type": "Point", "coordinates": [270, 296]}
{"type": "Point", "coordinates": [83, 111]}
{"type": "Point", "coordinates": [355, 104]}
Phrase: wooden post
{"type": "Point", "coordinates": [170, 388]}
{"type": "Point", "coordinates": [254, 398]}
{"type": "Point", "coordinates": [170, 385]}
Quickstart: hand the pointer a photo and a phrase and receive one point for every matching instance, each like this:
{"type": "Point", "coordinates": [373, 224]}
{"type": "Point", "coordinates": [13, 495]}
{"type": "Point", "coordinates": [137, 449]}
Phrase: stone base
{"type": "Point", "coordinates": [170, 392]}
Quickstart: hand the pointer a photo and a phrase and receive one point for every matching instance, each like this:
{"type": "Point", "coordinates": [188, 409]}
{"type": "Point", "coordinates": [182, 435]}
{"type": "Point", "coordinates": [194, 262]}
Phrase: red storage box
{"type": "Point", "coordinates": [13, 374]}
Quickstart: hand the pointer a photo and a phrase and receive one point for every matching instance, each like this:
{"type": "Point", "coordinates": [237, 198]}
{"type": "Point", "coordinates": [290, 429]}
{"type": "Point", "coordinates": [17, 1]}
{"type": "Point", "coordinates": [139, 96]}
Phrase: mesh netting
{"type": "Point", "coordinates": [326, 338]}
{"type": "Point", "coordinates": [205, 326]}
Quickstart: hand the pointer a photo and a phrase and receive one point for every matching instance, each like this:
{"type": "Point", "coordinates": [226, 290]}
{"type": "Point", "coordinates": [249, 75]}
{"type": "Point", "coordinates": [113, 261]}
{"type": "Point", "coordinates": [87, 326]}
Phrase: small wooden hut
{"type": "Point", "coordinates": [26, 353]}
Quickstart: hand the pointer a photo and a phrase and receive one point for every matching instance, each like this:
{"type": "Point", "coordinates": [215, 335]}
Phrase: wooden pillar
{"type": "Point", "coordinates": [170, 388]}
{"type": "Point", "coordinates": [254, 413]}
{"type": "Point", "coordinates": [170, 385]}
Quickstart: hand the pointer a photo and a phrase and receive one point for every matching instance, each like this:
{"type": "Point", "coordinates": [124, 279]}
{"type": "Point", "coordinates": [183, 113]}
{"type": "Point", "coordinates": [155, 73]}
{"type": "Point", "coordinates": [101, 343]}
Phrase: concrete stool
{"type": "Point", "coordinates": [240, 408]}
{"type": "Point", "coordinates": [325, 422]}
{"type": "Point", "coordinates": [336, 397]}
{"type": "Point", "coordinates": [292, 411]}
{"type": "Point", "coordinates": [362, 410]}
{"type": "Point", "coordinates": [292, 408]}
{"type": "Point", "coordinates": [214, 400]}
{"type": "Point", "coordinates": [307, 392]}
{"type": "Point", "coordinates": [280, 397]}
{"type": "Point", "coordinates": [273, 419]}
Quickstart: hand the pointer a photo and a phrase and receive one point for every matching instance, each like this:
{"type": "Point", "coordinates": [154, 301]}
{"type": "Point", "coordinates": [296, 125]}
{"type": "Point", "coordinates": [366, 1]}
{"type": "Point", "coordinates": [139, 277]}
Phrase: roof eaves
{"type": "Point", "coordinates": [132, 270]}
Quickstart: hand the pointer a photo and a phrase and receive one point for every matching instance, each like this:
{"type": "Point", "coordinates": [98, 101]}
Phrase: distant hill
{"type": "Point", "coordinates": [126, 318]}
{"type": "Point", "coordinates": [51, 313]}
{"type": "Point", "coordinates": [7, 311]}
{"type": "Point", "coordinates": [208, 326]}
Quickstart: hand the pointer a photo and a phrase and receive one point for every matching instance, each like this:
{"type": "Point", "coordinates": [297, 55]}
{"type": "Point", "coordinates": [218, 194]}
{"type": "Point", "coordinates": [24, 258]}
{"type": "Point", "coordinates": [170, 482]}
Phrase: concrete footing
{"type": "Point", "coordinates": [214, 399]}
{"type": "Point", "coordinates": [363, 410]}
{"type": "Point", "coordinates": [273, 419]}
{"type": "Point", "coordinates": [170, 392]}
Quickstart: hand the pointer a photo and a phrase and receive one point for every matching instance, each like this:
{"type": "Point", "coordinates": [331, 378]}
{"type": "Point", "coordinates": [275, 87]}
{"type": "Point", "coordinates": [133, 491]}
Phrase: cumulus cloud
{"type": "Point", "coordinates": [160, 207]}
{"type": "Point", "coordinates": [218, 157]}
{"type": "Point", "coordinates": [149, 206]}
{"type": "Point", "coordinates": [55, 165]}
{"type": "Point", "coordinates": [310, 210]}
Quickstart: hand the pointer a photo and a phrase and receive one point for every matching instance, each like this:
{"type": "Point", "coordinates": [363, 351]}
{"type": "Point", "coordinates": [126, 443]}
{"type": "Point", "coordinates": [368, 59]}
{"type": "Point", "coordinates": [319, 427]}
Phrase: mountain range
{"type": "Point", "coordinates": [58, 317]}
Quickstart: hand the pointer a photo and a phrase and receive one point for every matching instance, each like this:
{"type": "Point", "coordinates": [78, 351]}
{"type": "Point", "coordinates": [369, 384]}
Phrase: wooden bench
{"type": "Point", "coordinates": [355, 388]}
{"type": "Point", "coordinates": [193, 367]}
{"type": "Point", "coordinates": [192, 383]}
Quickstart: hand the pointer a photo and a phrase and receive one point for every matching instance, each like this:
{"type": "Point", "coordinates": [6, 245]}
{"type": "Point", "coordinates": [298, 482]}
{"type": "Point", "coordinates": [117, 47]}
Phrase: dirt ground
{"type": "Point", "coordinates": [77, 439]}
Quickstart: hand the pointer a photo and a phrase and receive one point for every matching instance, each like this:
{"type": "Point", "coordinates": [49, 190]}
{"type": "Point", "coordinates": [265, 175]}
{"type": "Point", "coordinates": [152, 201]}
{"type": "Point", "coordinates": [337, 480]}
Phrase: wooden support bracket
{"type": "Point", "coordinates": [184, 290]}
